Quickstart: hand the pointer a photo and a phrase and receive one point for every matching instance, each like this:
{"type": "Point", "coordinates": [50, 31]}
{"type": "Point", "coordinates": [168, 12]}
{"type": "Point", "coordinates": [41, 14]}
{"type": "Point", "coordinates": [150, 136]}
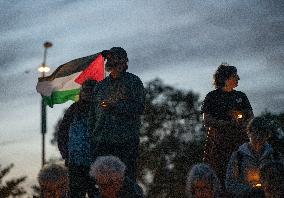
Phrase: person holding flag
{"type": "Point", "coordinates": [118, 103]}
{"type": "Point", "coordinates": [75, 81]}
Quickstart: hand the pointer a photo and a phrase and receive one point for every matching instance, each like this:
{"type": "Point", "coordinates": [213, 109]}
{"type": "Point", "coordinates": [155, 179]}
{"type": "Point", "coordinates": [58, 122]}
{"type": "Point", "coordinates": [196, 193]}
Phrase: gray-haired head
{"type": "Point", "coordinates": [52, 173]}
{"type": "Point", "coordinates": [107, 165]}
{"type": "Point", "coordinates": [205, 173]}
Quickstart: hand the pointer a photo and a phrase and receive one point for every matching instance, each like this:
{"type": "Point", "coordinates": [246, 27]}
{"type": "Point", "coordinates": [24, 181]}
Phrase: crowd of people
{"type": "Point", "coordinates": [98, 139]}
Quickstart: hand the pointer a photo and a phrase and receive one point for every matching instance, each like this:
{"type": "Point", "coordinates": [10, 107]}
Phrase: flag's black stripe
{"type": "Point", "coordinates": [71, 67]}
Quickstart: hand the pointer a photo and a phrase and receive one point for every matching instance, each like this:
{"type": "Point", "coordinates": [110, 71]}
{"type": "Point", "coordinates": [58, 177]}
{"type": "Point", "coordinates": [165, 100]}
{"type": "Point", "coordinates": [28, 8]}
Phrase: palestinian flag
{"type": "Point", "coordinates": [65, 82]}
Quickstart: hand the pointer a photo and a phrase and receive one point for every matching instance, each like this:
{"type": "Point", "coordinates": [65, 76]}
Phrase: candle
{"type": "Point", "coordinates": [240, 116]}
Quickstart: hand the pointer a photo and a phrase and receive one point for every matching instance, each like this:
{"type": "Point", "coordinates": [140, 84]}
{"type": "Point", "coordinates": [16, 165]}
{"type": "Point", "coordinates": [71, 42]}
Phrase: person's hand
{"type": "Point", "coordinates": [106, 104]}
{"type": "Point", "coordinates": [237, 116]}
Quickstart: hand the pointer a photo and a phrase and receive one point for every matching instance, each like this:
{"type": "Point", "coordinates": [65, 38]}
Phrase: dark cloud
{"type": "Point", "coordinates": [186, 31]}
{"type": "Point", "coordinates": [225, 30]}
{"type": "Point", "coordinates": [272, 99]}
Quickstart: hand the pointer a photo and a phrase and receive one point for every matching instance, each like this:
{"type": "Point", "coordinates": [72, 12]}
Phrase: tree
{"type": "Point", "coordinates": [171, 139]}
{"type": "Point", "coordinates": [10, 187]}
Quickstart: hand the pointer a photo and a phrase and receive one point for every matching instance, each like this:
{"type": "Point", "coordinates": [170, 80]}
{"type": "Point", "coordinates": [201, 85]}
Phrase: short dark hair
{"type": "Point", "coordinates": [118, 52]}
{"type": "Point", "coordinates": [260, 127]}
{"type": "Point", "coordinates": [223, 73]}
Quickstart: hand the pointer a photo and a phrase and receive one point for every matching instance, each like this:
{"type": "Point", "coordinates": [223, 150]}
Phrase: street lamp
{"type": "Point", "coordinates": [43, 69]}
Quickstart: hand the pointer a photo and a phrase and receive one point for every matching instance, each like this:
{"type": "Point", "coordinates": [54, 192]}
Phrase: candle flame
{"type": "Point", "coordinates": [258, 185]}
{"type": "Point", "coordinates": [240, 116]}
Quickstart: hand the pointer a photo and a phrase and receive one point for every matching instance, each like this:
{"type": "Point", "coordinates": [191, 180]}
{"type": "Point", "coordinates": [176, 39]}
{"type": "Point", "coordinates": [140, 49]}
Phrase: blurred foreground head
{"type": "Point", "coordinates": [202, 182]}
{"type": "Point", "coordinates": [53, 181]}
{"type": "Point", "coordinates": [109, 173]}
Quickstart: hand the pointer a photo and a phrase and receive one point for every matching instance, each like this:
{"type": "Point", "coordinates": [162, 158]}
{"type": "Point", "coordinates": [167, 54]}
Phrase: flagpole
{"type": "Point", "coordinates": [43, 69]}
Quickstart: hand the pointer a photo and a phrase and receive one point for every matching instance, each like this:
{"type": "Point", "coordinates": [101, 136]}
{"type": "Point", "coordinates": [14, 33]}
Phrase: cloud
{"type": "Point", "coordinates": [155, 34]}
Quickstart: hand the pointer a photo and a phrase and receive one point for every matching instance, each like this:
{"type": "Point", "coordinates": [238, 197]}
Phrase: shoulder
{"type": "Point", "coordinates": [132, 77]}
{"type": "Point", "coordinates": [240, 93]}
{"type": "Point", "coordinates": [242, 151]}
{"type": "Point", "coordinates": [235, 155]}
{"type": "Point", "coordinates": [102, 83]}
{"type": "Point", "coordinates": [212, 94]}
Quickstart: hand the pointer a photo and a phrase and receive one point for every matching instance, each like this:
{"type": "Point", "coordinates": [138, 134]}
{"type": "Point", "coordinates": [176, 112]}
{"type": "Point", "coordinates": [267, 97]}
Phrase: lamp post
{"type": "Point", "coordinates": [43, 69]}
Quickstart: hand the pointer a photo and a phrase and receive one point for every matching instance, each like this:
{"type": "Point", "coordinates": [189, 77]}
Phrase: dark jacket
{"type": "Point", "coordinates": [73, 132]}
{"type": "Point", "coordinates": [130, 189]}
{"type": "Point", "coordinates": [63, 131]}
{"type": "Point", "coordinates": [120, 123]}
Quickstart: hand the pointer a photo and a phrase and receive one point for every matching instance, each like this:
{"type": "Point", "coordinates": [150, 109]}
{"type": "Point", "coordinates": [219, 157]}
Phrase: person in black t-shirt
{"type": "Point", "coordinates": [226, 113]}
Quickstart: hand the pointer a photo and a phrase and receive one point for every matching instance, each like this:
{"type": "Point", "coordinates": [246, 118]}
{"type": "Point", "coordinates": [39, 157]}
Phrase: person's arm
{"type": "Point", "coordinates": [249, 117]}
{"type": "Point", "coordinates": [92, 112]}
{"type": "Point", "coordinates": [233, 181]}
{"type": "Point", "coordinates": [63, 132]}
{"type": "Point", "coordinates": [248, 111]}
{"type": "Point", "coordinates": [210, 121]}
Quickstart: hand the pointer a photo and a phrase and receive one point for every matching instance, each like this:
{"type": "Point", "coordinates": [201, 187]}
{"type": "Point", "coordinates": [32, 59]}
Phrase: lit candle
{"type": "Point", "coordinates": [258, 185]}
{"type": "Point", "coordinates": [240, 116]}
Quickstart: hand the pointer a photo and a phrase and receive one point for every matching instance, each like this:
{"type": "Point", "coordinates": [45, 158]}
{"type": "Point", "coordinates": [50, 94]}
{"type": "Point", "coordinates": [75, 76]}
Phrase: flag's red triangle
{"type": "Point", "coordinates": [94, 71]}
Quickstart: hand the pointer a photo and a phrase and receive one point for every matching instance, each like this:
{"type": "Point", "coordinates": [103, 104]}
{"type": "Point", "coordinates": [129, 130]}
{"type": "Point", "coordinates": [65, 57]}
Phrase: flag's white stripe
{"type": "Point", "coordinates": [58, 84]}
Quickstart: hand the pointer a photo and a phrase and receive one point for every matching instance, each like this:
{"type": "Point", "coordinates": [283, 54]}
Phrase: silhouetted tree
{"type": "Point", "coordinates": [171, 139]}
{"type": "Point", "coordinates": [10, 188]}
{"type": "Point", "coordinates": [36, 191]}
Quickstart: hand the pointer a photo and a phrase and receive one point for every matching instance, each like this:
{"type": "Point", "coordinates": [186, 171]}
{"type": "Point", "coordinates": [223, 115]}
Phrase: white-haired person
{"type": "Point", "coordinates": [202, 182]}
{"type": "Point", "coordinates": [53, 181]}
{"type": "Point", "coordinates": [109, 173]}
{"type": "Point", "coordinates": [243, 171]}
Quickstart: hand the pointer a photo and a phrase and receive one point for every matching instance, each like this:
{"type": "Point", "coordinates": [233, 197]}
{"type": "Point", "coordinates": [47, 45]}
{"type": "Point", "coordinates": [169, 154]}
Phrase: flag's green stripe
{"type": "Point", "coordinates": [59, 97]}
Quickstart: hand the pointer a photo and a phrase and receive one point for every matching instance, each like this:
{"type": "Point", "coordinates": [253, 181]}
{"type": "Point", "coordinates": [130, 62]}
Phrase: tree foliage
{"type": "Point", "coordinates": [171, 139]}
{"type": "Point", "coordinates": [10, 188]}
